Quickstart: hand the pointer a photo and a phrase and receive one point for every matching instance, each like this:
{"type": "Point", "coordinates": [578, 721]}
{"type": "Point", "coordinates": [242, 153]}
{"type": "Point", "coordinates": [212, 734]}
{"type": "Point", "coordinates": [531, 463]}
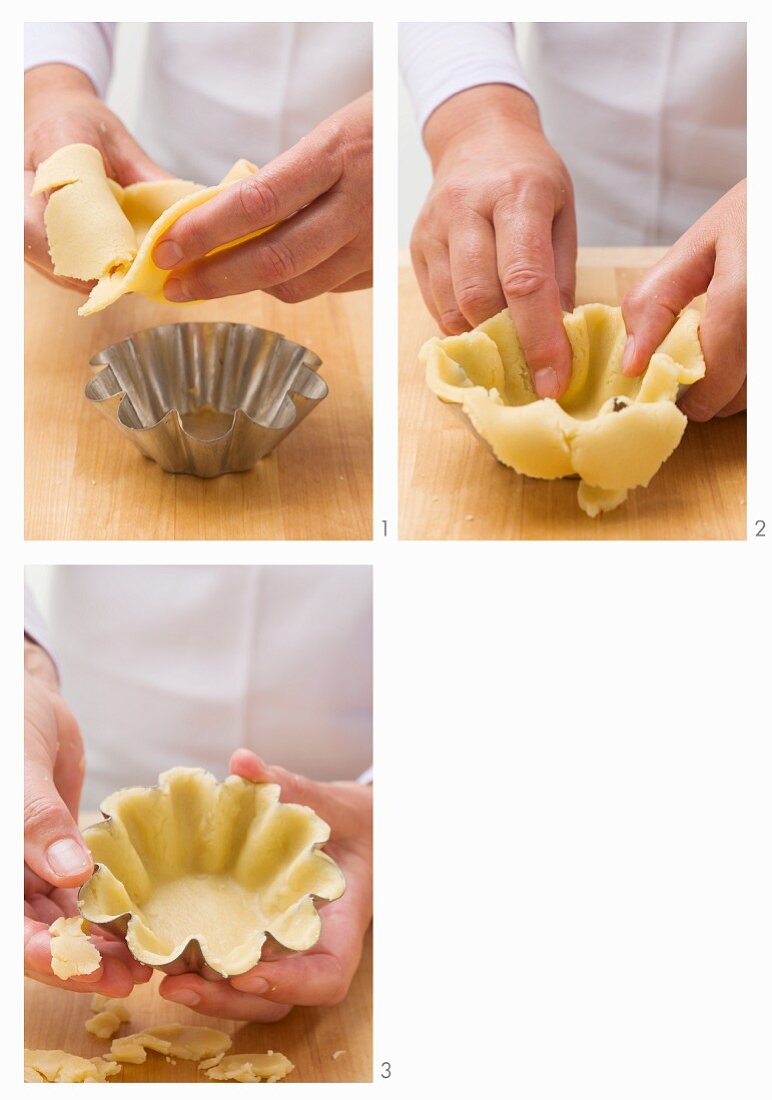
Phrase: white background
{"type": "Point", "coordinates": [572, 741]}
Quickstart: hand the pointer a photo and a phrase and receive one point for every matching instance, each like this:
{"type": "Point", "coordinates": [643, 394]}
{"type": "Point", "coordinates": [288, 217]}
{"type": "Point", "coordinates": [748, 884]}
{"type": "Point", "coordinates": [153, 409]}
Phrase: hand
{"type": "Point", "coordinates": [56, 859]}
{"type": "Point", "coordinates": [709, 256]}
{"type": "Point", "coordinates": [321, 190]}
{"type": "Point", "coordinates": [323, 974]}
{"type": "Point", "coordinates": [498, 228]}
{"type": "Point", "coordinates": [62, 108]}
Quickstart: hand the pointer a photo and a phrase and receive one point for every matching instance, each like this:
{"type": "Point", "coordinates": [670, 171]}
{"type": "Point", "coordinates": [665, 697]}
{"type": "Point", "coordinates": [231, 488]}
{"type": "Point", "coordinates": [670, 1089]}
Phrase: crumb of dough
{"type": "Point", "coordinates": [336, 1054]}
{"type": "Point", "coordinates": [59, 1066]}
{"type": "Point", "coordinates": [71, 950]}
{"type": "Point", "coordinates": [269, 1067]}
{"type": "Point", "coordinates": [190, 1043]}
{"type": "Point", "coordinates": [109, 1014]}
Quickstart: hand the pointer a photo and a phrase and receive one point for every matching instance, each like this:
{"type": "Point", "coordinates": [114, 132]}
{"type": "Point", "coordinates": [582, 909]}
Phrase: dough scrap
{"type": "Point", "coordinates": [174, 1040]}
{"type": "Point", "coordinates": [224, 864]}
{"type": "Point", "coordinates": [59, 1066]}
{"type": "Point", "coordinates": [270, 1067]}
{"type": "Point", "coordinates": [99, 230]}
{"type": "Point", "coordinates": [72, 952]}
{"type": "Point", "coordinates": [109, 1014]}
{"type": "Point", "coordinates": [614, 432]}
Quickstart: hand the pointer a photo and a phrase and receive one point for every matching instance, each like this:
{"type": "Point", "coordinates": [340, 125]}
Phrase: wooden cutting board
{"type": "Point", "coordinates": [84, 480]}
{"type": "Point", "coordinates": [451, 487]}
{"type": "Point", "coordinates": [54, 1020]}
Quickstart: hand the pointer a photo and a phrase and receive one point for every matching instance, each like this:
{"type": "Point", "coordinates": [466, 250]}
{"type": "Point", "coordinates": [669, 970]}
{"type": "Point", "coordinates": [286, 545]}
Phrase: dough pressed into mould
{"type": "Point", "coordinates": [72, 952]}
{"type": "Point", "coordinates": [269, 1067]}
{"type": "Point", "coordinates": [173, 1040]}
{"type": "Point", "coordinates": [99, 230]}
{"type": "Point", "coordinates": [57, 1066]}
{"type": "Point", "coordinates": [614, 432]}
{"type": "Point", "coordinates": [223, 864]}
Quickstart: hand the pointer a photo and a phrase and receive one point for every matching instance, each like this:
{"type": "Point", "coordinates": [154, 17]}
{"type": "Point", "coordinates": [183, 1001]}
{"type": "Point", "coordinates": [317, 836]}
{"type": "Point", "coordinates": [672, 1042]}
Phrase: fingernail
{"type": "Point", "coordinates": [248, 984]}
{"type": "Point", "coordinates": [174, 290]}
{"type": "Point", "coordinates": [167, 254]}
{"type": "Point", "coordinates": [66, 857]}
{"type": "Point", "coordinates": [183, 997]}
{"type": "Point", "coordinates": [546, 383]}
{"type": "Point", "coordinates": [628, 355]}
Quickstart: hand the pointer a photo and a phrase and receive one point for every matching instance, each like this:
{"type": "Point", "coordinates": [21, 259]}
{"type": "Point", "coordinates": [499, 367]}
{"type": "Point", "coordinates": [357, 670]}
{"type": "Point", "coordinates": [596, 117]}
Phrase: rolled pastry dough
{"type": "Point", "coordinates": [99, 230]}
{"type": "Point", "coordinates": [614, 432]}
{"type": "Point", "coordinates": [270, 1067]}
{"type": "Point", "coordinates": [173, 1040]}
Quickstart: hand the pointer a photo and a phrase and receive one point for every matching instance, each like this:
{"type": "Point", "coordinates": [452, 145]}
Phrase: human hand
{"type": "Point", "coordinates": [708, 257]}
{"type": "Point", "coordinates": [61, 107]}
{"type": "Point", "coordinates": [320, 190]}
{"type": "Point", "coordinates": [56, 859]}
{"type": "Point", "coordinates": [323, 974]}
{"type": "Point", "coordinates": [498, 227]}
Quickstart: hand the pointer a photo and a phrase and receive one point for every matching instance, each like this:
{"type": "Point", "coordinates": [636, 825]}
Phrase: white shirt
{"type": "Point", "coordinates": [214, 92]}
{"type": "Point", "coordinates": [168, 665]}
{"type": "Point", "coordinates": [649, 118]}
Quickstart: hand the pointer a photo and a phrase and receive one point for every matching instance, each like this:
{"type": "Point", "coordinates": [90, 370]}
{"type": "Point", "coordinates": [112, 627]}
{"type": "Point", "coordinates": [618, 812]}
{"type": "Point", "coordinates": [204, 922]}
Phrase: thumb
{"type": "Point", "coordinates": [294, 787]}
{"type": "Point", "coordinates": [651, 309]}
{"type": "Point", "coordinates": [53, 846]}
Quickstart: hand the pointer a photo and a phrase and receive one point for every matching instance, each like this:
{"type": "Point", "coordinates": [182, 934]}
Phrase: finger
{"type": "Point", "coordinates": [564, 247]}
{"type": "Point", "coordinates": [526, 266]}
{"type": "Point", "coordinates": [53, 846]}
{"type": "Point", "coordinates": [339, 269]}
{"type": "Point", "coordinates": [291, 249]}
{"type": "Point", "coordinates": [723, 339]}
{"type": "Point", "coordinates": [359, 282]}
{"type": "Point", "coordinates": [70, 764]}
{"type": "Point", "coordinates": [738, 403]}
{"type": "Point", "coordinates": [286, 185]}
{"type": "Point", "coordinates": [220, 999]}
{"type": "Point", "coordinates": [421, 269]}
{"type": "Point", "coordinates": [447, 311]}
{"type": "Point", "coordinates": [112, 978]}
{"type": "Point", "coordinates": [651, 309]}
{"type": "Point", "coordinates": [294, 787]}
{"type": "Point", "coordinates": [472, 252]}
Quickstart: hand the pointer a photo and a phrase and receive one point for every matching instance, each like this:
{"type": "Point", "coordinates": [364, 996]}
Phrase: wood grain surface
{"type": "Point", "coordinates": [54, 1020]}
{"type": "Point", "coordinates": [451, 487]}
{"type": "Point", "coordinates": [84, 480]}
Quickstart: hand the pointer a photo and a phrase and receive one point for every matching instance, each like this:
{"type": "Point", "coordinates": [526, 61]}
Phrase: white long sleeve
{"type": "Point", "coordinates": [85, 46]}
{"type": "Point", "coordinates": [438, 60]}
{"type": "Point", "coordinates": [34, 624]}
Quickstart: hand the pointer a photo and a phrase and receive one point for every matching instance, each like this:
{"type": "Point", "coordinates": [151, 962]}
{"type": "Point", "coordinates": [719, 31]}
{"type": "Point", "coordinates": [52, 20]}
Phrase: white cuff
{"type": "Point", "coordinates": [438, 60]}
{"type": "Point", "coordinates": [85, 46]}
{"type": "Point", "coordinates": [34, 625]}
{"type": "Point", "coordinates": [367, 776]}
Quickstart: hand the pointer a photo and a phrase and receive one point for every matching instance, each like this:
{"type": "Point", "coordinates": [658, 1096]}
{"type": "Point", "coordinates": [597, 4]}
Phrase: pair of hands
{"type": "Point", "coordinates": [320, 189]}
{"type": "Point", "coordinates": [499, 230]}
{"type": "Point", "coordinates": [57, 862]}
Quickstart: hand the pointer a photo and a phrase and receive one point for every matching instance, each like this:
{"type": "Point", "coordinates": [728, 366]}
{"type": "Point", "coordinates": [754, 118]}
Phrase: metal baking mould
{"type": "Point", "coordinates": [206, 398]}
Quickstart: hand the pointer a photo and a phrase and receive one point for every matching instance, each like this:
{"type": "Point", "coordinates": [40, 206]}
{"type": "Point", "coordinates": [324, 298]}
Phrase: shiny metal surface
{"type": "Point", "coordinates": [249, 388]}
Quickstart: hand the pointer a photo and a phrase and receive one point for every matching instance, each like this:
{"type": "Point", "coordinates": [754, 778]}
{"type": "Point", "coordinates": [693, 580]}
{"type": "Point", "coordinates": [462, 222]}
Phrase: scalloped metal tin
{"type": "Point", "coordinates": [190, 956]}
{"type": "Point", "coordinates": [206, 397]}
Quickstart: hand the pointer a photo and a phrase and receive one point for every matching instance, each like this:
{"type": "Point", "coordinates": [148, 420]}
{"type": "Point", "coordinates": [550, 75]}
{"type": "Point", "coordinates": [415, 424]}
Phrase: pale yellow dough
{"type": "Point", "coordinates": [174, 1040]}
{"type": "Point", "coordinates": [59, 1066]}
{"type": "Point", "coordinates": [72, 952]}
{"type": "Point", "coordinates": [614, 432]}
{"type": "Point", "coordinates": [271, 1066]}
{"type": "Point", "coordinates": [109, 1014]}
{"type": "Point", "coordinates": [224, 864]}
{"type": "Point", "coordinates": [99, 230]}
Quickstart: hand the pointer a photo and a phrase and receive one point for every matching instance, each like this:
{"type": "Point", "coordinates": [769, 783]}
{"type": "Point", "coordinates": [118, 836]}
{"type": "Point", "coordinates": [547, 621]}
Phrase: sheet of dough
{"type": "Point", "coordinates": [614, 432]}
{"type": "Point", "coordinates": [59, 1066]}
{"type": "Point", "coordinates": [252, 1067]}
{"type": "Point", "coordinates": [99, 230]}
{"type": "Point", "coordinates": [173, 1040]}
